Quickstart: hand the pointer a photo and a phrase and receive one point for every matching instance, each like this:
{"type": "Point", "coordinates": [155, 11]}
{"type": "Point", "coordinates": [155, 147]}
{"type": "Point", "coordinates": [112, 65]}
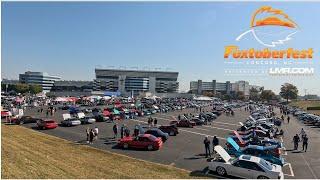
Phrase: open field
{"type": "Point", "coordinates": [305, 103]}
{"type": "Point", "coordinates": [30, 154]}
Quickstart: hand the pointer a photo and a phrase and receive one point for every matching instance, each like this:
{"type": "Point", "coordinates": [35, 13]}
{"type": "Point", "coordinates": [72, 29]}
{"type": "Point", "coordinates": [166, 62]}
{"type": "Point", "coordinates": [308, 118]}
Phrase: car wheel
{"type": "Point", "coordinates": [172, 133]}
{"type": "Point", "coordinates": [43, 128]}
{"type": "Point", "coordinates": [262, 177]}
{"type": "Point", "coordinates": [21, 122]}
{"type": "Point", "coordinates": [150, 147]}
{"type": "Point", "coordinates": [125, 146]}
{"type": "Point", "coordinates": [221, 171]}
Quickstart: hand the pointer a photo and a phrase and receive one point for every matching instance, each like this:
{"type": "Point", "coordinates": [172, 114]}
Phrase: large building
{"type": "Point", "coordinates": [43, 79]}
{"type": "Point", "coordinates": [75, 86]}
{"type": "Point", "coordinates": [135, 82]}
{"type": "Point", "coordinates": [199, 87]}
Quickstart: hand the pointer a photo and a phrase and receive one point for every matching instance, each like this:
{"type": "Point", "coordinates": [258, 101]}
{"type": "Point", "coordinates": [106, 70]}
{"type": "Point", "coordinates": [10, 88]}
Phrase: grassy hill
{"type": "Point", "coordinates": [30, 154]}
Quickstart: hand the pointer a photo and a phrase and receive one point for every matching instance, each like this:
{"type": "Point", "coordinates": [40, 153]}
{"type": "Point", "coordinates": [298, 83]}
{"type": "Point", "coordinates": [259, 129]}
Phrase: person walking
{"type": "Point", "coordinates": [215, 142]}
{"type": "Point", "coordinates": [115, 130]}
{"type": "Point", "coordinates": [305, 143]}
{"type": "Point", "coordinates": [206, 143]}
{"type": "Point", "coordinates": [302, 133]}
{"type": "Point", "coordinates": [296, 140]}
{"type": "Point", "coordinates": [91, 136]}
{"type": "Point", "coordinates": [288, 119]}
{"type": "Point", "coordinates": [88, 134]}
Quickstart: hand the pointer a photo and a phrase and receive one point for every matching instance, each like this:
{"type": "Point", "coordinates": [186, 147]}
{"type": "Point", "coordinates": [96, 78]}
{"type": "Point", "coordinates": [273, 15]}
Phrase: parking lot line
{"type": "Point", "coordinates": [291, 171]}
{"type": "Point", "coordinates": [309, 167]}
{"type": "Point", "coordinates": [226, 123]}
{"type": "Point", "coordinates": [218, 128]}
{"type": "Point", "coordinates": [183, 130]}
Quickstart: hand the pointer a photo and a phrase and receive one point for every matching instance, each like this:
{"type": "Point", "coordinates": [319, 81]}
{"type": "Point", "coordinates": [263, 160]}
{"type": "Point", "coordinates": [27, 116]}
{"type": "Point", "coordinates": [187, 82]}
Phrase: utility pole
{"type": "Point", "coordinates": [305, 94]}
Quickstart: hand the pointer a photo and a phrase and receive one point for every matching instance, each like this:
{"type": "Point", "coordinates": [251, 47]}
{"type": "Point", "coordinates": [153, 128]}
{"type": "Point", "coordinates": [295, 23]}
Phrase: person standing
{"type": "Point", "coordinates": [215, 142]}
{"type": "Point", "coordinates": [122, 131]}
{"type": "Point", "coordinates": [88, 134]}
{"type": "Point", "coordinates": [96, 132]}
{"type": "Point", "coordinates": [115, 130]}
{"type": "Point", "coordinates": [155, 122]}
{"type": "Point", "coordinates": [206, 143]}
{"type": "Point", "coordinates": [296, 140]}
{"type": "Point", "coordinates": [91, 136]}
{"type": "Point", "coordinates": [288, 119]}
{"type": "Point", "coordinates": [305, 143]}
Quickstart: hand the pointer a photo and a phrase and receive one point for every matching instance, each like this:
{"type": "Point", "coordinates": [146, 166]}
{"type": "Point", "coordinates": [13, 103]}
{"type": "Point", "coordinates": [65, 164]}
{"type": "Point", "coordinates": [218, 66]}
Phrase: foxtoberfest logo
{"type": "Point", "coordinates": [267, 16]}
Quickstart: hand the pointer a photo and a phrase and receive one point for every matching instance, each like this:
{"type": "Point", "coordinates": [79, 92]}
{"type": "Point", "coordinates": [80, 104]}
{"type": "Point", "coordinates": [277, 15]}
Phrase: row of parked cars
{"type": "Point", "coordinates": [252, 151]}
{"type": "Point", "coordinates": [305, 117]}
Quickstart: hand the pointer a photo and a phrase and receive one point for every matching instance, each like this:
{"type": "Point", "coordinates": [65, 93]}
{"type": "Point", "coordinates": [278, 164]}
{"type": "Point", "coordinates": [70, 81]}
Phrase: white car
{"type": "Point", "coordinates": [245, 166]}
{"type": "Point", "coordinates": [84, 119]}
{"type": "Point", "coordinates": [69, 121]}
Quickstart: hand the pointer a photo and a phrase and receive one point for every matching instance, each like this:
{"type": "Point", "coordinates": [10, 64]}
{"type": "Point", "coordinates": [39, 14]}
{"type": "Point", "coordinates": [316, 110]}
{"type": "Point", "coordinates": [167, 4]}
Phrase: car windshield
{"type": "Point", "coordinates": [266, 164]}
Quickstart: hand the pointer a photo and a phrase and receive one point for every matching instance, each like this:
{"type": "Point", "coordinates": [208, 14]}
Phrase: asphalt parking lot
{"type": "Point", "coordinates": [186, 150]}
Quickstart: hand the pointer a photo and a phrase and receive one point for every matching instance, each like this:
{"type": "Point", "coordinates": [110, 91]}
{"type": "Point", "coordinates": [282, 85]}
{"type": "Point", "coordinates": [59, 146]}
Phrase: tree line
{"type": "Point", "coordinates": [21, 88]}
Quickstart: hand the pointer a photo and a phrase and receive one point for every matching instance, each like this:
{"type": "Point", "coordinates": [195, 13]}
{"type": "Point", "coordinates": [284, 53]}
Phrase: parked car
{"type": "Point", "coordinates": [172, 130]}
{"type": "Point", "coordinates": [142, 141]}
{"type": "Point", "coordinates": [183, 123]}
{"type": "Point", "coordinates": [260, 141]}
{"type": "Point", "coordinates": [26, 119]}
{"type": "Point", "coordinates": [245, 166]}
{"type": "Point", "coordinates": [46, 124]}
{"type": "Point", "coordinates": [158, 133]}
{"type": "Point", "coordinates": [68, 121]}
{"type": "Point", "coordinates": [268, 153]}
{"type": "Point", "coordinates": [85, 119]}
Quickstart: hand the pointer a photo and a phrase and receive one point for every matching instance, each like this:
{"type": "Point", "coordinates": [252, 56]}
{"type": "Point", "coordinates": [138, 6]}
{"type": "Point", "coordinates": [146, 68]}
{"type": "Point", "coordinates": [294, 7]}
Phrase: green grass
{"type": "Point", "coordinates": [30, 154]}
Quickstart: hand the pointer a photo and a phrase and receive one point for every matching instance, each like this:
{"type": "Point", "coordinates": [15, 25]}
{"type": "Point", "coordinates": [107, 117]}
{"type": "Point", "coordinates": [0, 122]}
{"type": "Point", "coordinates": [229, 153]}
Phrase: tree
{"type": "Point", "coordinates": [289, 91]}
{"type": "Point", "coordinates": [226, 97]}
{"type": "Point", "coordinates": [35, 89]}
{"type": "Point", "coordinates": [254, 94]}
{"type": "Point", "coordinates": [267, 95]}
{"type": "Point", "coordinates": [208, 93]}
{"type": "Point", "coordinates": [21, 88]}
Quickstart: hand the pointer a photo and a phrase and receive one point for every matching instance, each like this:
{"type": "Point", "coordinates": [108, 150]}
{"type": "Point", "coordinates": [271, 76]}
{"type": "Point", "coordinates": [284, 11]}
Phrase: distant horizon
{"type": "Point", "coordinates": [72, 39]}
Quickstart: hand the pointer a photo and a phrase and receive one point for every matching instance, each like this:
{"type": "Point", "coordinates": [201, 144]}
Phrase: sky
{"type": "Point", "coordinates": [71, 39]}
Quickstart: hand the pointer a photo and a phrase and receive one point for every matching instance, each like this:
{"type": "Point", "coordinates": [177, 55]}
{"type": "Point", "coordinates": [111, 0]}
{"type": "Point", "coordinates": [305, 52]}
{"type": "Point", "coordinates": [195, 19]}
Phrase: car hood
{"type": "Point", "coordinates": [223, 153]}
{"type": "Point", "coordinates": [276, 168]}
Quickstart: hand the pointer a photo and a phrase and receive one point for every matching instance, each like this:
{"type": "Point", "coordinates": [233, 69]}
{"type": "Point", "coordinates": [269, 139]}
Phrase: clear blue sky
{"type": "Point", "coordinates": [70, 39]}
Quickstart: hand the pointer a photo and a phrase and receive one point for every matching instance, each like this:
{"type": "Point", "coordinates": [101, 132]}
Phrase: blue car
{"type": "Point", "coordinates": [268, 153]}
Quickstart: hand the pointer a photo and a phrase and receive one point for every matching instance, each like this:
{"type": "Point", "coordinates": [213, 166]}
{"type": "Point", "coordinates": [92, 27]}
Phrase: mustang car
{"type": "Point", "coordinates": [158, 133]}
{"type": "Point", "coordinates": [261, 141]}
{"type": "Point", "coordinates": [268, 153]}
{"type": "Point", "coordinates": [142, 141]}
{"type": "Point", "coordinates": [183, 123]}
{"type": "Point", "coordinates": [46, 124]}
{"type": "Point", "coordinates": [172, 130]}
{"type": "Point", "coordinates": [245, 166]}
{"type": "Point", "coordinates": [26, 119]}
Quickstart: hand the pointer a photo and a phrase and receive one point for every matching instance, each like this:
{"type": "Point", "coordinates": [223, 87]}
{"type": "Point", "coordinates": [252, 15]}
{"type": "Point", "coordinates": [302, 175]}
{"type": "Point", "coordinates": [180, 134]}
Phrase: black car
{"type": "Point", "coordinates": [199, 121]}
{"type": "Point", "coordinates": [157, 133]}
{"type": "Point", "coordinates": [26, 119]}
{"type": "Point", "coordinates": [172, 130]}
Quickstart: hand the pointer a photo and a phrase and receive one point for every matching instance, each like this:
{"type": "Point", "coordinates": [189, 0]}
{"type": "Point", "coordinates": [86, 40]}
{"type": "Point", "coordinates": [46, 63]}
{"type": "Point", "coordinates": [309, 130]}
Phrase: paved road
{"type": "Point", "coordinates": [186, 149]}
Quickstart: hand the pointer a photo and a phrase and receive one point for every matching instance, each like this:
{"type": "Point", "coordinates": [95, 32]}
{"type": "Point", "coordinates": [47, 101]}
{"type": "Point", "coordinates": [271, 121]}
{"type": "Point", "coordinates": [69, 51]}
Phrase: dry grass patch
{"type": "Point", "coordinates": [30, 154]}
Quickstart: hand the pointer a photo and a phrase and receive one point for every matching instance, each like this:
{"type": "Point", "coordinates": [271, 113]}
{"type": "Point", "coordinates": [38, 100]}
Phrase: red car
{"type": "Point", "coordinates": [142, 141]}
{"type": "Point", "coordinates": [46, 124]}
{"type": "Point", "coordinates": [183, 123]}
